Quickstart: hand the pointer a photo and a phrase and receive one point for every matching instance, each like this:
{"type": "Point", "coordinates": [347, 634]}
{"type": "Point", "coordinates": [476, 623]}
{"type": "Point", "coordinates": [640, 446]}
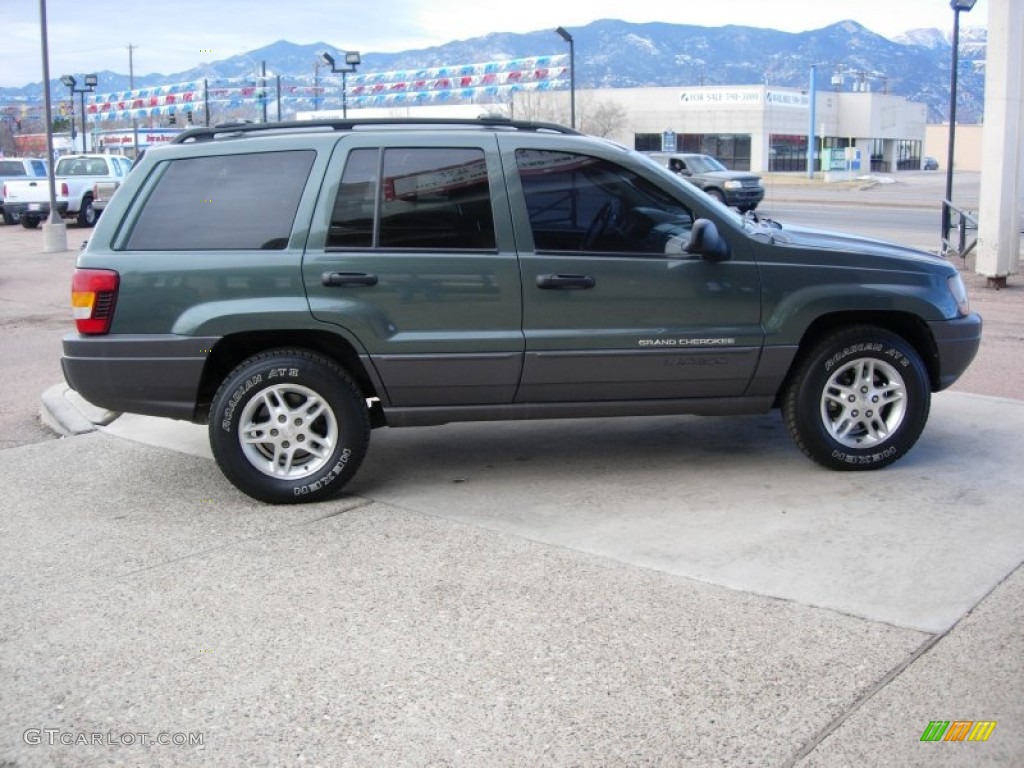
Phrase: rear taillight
{"type": "Point", "coordinates": [93, 295]}
{"type": "Point", "coordinates": [64, 189]}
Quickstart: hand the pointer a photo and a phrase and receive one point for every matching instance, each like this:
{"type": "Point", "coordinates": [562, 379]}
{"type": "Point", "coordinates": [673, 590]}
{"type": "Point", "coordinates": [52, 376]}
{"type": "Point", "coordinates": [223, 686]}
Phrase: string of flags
{"type": "Point", "coordinates": [493, 81]}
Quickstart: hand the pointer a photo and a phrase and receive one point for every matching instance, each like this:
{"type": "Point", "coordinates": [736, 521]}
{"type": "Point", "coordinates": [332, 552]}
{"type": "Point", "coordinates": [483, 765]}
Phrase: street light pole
{"type": "Point", "coordinates": [55, 236]}
{"type": "Point", "coordinates": [562, 33]}
{"type": "Point", "coordinates": [352, 60]}
{"type": "Point", "coordinates": [947, 203]}
{"type": "Point", "coordinates": [90, 83]}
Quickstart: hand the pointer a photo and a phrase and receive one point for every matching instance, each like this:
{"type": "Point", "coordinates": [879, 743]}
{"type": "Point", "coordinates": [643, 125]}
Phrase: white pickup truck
{"type": "Point", "coordinates": [12, 168]}
{"type": "Point", "coordinates": [75, 176]}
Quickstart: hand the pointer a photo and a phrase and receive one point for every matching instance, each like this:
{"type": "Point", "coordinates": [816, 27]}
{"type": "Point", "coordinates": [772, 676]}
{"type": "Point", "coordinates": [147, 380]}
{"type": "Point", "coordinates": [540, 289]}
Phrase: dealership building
{"type": "Point", "coordinates": [753, 127]}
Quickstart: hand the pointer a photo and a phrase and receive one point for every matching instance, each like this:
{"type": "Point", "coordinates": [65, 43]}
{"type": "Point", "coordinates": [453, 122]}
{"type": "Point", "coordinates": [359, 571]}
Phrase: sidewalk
{"type": "Point", "coordinates": [622, 605]}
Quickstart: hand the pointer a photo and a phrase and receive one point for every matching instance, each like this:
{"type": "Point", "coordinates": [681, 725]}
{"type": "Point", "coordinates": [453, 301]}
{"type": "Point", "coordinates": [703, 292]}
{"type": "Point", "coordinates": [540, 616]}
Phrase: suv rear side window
{"type": "Point", "coordinates": [224, 202]}
{"type": "Point", "coordinates": [581, 203]}
{"type": "Point", "coordinates": [428, 199]}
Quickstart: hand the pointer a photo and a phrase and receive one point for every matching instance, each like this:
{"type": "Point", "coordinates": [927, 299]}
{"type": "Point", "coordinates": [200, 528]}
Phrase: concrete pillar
{"type": "Point", "coordinates": [55, 236]}
{"type": "Point", "coordinates": [999, 212]}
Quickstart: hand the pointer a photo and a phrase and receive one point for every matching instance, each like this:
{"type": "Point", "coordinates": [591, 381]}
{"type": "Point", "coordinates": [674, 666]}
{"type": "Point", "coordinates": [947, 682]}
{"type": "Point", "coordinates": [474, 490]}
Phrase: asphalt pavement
{"type": "Point", "coordinates": [632, 592]}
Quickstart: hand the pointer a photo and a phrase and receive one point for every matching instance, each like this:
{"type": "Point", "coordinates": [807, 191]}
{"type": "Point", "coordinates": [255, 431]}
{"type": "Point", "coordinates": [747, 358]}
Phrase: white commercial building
{"type": "Point", "coordinates": [749, 127]}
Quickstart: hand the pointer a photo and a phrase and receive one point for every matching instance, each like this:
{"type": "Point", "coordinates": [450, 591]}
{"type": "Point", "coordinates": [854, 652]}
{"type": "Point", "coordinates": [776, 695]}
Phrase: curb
{"type": "Point", "coordinates": [67, 413]}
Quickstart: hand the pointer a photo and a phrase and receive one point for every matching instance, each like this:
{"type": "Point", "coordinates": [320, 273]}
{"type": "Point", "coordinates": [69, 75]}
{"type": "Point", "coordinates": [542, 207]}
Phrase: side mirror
{"type": "Point", "coordinates": [705, 241]}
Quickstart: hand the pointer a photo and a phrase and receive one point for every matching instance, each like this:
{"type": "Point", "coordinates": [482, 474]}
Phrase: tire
{"type": "Point", "coordinates": [10, 219]}
{"type": "Point", "coordinates": [29, 222]}
{"type": "Point", "coordinates": [859, 400]}
{"type": "Point", "coordinates": [284, 384]}
{"type": "Point", "coordinates": [87, 215]}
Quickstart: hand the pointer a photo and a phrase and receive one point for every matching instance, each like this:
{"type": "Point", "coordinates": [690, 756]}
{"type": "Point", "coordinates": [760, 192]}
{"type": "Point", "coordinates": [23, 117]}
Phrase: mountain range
{"type": "Point", "coordinates": [618, 54]}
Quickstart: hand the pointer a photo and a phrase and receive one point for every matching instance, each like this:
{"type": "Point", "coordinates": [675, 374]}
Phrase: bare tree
{"type": "Point", "coordinates": [604, 119]}
{"type": "Point", "coordinates": [7, 145]}
{"type": "Point", "coordinates": [540, 106]}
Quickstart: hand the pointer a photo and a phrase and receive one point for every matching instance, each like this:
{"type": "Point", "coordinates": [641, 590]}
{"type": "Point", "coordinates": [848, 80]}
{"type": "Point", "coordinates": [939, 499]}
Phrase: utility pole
{"type": "Point", "coordinates": [131, 86]}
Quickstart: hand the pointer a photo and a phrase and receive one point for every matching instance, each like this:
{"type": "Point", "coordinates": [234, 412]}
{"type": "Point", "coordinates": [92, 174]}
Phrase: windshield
{"type": "Point", "coordinates": [703, 164]}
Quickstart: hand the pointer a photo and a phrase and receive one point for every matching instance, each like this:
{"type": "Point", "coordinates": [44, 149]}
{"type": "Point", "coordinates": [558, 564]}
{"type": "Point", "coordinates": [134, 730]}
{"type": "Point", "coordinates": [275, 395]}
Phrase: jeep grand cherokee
{"type": "Point", "coordinates": [295, 285]}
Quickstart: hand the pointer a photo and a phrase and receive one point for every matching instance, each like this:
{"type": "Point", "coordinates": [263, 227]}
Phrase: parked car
{"type": "Point", "coordinates": [74, 177]}
{"type": "Point", "coordinates": [104, 189]}
{"type": "Point", "coordinates": [20, 168]}
{"type": "Point", "coordinates": [929, 164]}
{"type": "Point", "coordinates": [741, 189]}
{"type": "Point", "coordinates": [294, 285]}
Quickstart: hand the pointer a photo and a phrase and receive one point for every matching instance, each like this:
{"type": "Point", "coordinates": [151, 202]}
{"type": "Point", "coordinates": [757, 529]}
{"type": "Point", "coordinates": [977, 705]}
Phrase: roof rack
{"type": "Point", "coordinates": [226, 130]}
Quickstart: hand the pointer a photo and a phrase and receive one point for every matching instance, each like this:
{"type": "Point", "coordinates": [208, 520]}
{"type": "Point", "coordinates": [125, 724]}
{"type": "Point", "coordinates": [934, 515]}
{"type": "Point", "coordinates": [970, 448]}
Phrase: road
{"type": "Point", "coordinates": [914, 227]}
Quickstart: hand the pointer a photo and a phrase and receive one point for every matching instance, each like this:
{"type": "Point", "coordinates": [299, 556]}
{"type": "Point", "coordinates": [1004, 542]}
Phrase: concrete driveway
{"type": "Point", "coordinates": [633, 592]}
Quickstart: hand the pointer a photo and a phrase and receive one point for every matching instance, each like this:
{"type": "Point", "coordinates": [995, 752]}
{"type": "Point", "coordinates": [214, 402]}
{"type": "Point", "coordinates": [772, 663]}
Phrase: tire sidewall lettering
{"type": "Point", "coordinates": [865, 459]}
{"type": "Point", "coordinates": [332, 474]}
{"type": "Point", "coordinates": [237, 396]}
{"type": "Point", "coordinates": [867, 349]}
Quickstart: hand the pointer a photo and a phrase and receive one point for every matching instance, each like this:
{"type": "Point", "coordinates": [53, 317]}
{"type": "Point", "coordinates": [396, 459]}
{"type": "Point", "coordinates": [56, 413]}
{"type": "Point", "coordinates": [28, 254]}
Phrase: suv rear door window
{"type": "Point", "coordinates": [224, 202]}
{"type": "Point", "coordinates": [429, 198]}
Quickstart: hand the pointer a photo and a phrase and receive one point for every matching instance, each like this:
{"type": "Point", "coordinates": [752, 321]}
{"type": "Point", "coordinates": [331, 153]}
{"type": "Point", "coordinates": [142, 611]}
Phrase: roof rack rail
{"type": "Point", "coordinates": [226, 130]}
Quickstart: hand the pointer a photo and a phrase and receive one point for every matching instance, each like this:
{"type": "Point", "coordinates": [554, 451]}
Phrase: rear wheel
{"type": "Point", "coordinates": [29, 222]}
{"type": "Point", "coordinates": [289, 426]}
{"type": "Point", "coordinates": [87, 215]}
{"type": "Point", "coordinates": [10, 218]}
{"type": "Point", "coordinates": [858, 400]}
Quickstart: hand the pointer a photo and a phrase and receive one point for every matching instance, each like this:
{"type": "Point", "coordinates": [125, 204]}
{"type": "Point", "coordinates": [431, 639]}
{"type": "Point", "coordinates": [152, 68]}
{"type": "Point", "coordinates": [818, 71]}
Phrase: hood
{"type": "Point", "coordinates": [729, 175]}
{"type": "Point", "coordinates": [808, 237]}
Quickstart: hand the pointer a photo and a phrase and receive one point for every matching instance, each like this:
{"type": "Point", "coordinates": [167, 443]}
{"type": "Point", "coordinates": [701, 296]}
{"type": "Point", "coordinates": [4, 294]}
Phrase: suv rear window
{"type": "Point", "coordinates": [429, 199]}
{"type": "Point", "coordinates": [224, 202]}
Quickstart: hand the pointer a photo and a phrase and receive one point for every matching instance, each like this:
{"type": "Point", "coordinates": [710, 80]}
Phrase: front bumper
{"type": "Point", "coordinates": [744, 197]}
{"type": "Point", "coordinates": [956, 344]}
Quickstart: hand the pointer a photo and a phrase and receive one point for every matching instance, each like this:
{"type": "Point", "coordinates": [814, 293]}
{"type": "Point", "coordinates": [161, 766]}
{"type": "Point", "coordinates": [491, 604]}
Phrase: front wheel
{"type": "Point", "coordinates": [717, 194]}
{"type": "Point", "coordinates": [289, 426]}
{"type": "Point", "coordinates": [858, 400]}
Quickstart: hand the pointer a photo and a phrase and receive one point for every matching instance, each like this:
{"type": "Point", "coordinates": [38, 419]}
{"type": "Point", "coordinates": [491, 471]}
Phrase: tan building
{"type": "Point", "coordinates": [966, 145]}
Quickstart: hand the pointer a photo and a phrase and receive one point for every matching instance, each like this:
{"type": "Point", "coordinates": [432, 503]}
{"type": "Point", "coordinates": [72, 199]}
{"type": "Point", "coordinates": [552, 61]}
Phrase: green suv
{"type": "Point", "coordinates": [295, 285]}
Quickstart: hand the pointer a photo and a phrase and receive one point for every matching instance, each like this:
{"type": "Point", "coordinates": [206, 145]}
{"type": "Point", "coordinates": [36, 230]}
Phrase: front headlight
{"type": "Point", "coordinates": [733, 185]}
{"type": "Point", "coordinates": [959, 291]}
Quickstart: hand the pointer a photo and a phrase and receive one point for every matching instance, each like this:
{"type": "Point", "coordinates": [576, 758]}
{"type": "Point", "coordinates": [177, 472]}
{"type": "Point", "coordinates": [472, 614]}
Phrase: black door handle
{"type": "Point", "coordinates": [565, 281]}
{"type": "Point", "coordinates": [334, 279]}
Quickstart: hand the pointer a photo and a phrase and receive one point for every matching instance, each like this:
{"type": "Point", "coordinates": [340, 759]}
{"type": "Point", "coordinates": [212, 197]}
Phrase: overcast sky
{"type": "Point", "coordinates": [175, 35]}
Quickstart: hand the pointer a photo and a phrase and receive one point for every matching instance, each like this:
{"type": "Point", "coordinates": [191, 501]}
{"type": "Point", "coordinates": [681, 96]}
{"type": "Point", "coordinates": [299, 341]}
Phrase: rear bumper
{"type": "Point", "coordinates": [155, 375]}
{"type": "Point", "coordinates": [956, 342]}
{"type": "Point", "coordinates": [41, 210]}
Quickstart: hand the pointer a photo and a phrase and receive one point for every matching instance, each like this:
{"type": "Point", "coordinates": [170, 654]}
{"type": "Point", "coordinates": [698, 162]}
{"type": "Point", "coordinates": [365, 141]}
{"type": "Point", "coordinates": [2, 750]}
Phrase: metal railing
{"type": "Point", "coordinates": [964, 221]}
